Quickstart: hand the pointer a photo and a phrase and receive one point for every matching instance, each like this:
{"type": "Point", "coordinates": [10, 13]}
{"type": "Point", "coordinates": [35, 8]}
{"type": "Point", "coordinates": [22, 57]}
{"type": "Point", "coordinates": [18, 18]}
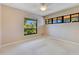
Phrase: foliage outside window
{"type": "Point", "coordinates": [30, 26]}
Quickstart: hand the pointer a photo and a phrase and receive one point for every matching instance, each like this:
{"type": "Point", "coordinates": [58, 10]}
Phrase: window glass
{"type": "Point", "coordinates": [74, 18]}
{"type": "Point", "coordinates": [46, 21]}
{"type": "Point", "coordinates": [30, 26]}
{"type": "Point", "coordinates": [54, 20]}
{"type": "Point", "coordinates": [59, 20]}
{"type": "Point", "coordinates": [67, 19]}
{"type": "Point", "coordinates": [50, 21]}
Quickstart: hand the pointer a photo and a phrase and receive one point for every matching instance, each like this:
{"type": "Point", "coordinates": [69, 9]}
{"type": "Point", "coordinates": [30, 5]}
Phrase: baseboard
{"type": "Point", "coordinates": [12, 43]}
{"type": "Point", "coordinates": [8, 44]}
{"type": "Point", "coordinates": [64, 40]}
{"type": "Point", "coordinates": [69, 41]}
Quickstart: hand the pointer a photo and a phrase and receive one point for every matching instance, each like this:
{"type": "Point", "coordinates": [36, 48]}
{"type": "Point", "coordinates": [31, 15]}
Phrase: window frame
{"type": "Point", "coordinates": [63, 19]}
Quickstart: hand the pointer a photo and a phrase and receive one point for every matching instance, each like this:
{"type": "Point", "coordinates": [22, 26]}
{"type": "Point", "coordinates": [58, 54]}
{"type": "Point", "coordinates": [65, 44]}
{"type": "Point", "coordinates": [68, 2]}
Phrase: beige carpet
{"type": "Point", "coordinates": [41, 46]}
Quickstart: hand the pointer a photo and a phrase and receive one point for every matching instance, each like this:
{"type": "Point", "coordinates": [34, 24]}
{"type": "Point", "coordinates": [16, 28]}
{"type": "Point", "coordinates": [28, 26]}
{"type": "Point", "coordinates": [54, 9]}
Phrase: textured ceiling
{"type": "Point", "coordinates": [35, 7]}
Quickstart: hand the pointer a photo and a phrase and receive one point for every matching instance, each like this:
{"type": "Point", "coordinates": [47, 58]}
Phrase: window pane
{"type": "Point", "coordinates": [54, 20]}
{"type": "Point", "coordinates": [50, 21]}
{"type": "Point", "coordinates": [67, 19]}
{"type": "Point", "coordinates": [59, 20]}
{"type": "Point", "coordinates": [74, 18]}
{"type": "Point", "coordinates": [30, 26]}
{"type": "Point", "coordinates": [46, 21]}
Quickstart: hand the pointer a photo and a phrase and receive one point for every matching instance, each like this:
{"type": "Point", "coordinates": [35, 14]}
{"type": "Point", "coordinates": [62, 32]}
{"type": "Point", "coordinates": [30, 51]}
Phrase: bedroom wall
{"type": "Point", "coordinates": [0, 26]}
{"type": "Point", "coordinates": [67, 31]}
{"type": "Point", "coordinates": [12, 24]}
{"type": "Point", "coordinates": [65, 12]}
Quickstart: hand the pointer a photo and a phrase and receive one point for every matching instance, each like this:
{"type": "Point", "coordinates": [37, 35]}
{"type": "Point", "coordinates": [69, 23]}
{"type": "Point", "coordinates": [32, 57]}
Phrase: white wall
{"type": "Point", "coordinates": [0, 26]}
{"type": "Point", "coordinates": [67, 31]}
{"type": "Point", "coordinates": [13, 24]}
{"type": "Point", "coordinates": [65, 12]}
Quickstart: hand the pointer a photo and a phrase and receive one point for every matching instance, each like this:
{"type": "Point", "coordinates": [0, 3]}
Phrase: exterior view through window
{"type": "Point", "coordinates": [30, 26]}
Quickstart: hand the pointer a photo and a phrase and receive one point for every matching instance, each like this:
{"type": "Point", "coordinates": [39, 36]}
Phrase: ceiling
{"type": "Point", "coordinates": [35, 7]}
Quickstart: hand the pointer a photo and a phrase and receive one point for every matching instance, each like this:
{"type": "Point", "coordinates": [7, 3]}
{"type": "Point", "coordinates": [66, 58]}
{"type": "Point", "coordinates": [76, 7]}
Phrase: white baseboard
{"type": "Point", "coordinates": [4, 45]}
{"type": "Point", "coordinates": [24, 40]}
{"type": "Point", "coordinates": [64, 40]}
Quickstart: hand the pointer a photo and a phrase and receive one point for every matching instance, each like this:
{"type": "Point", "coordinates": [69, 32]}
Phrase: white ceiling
{"type": "Point", "coordinates": [35, 7]}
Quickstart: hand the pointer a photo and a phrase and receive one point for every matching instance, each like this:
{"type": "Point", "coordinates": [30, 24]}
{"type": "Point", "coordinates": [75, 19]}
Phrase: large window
{"type": "Point", "coordinates": [54, 20]}
{"type": "Point", "coordinates": [67, 19]}
{"type": "Point", "coordinates": [59, 20]}
{"type": "Point", "coordinates": [30, 26]}
{"type": "Point", "coordinates": [74, 18]}
{"type": "Point", "coordinates": [63, 19]}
